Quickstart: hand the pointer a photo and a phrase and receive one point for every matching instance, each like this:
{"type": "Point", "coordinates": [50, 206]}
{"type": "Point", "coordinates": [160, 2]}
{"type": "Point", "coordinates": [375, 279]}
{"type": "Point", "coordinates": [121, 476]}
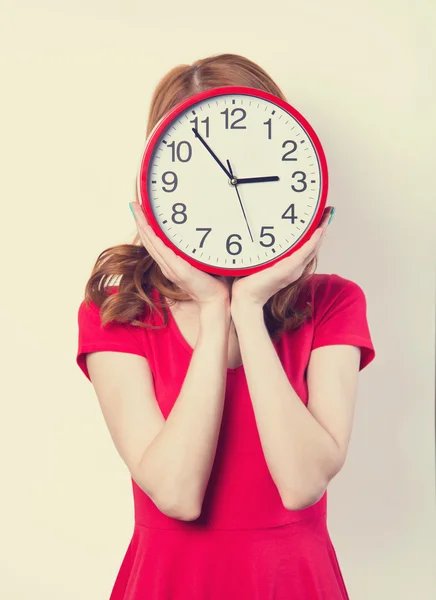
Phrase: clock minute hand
{"type": "Point", "coordinates": [258, 179]}
{"type": "Point", "coordinates": [212, 153]}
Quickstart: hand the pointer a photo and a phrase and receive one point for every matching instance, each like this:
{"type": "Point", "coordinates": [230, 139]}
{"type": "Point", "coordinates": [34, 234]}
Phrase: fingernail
{"type": "Point", "coordinates": [332, 212]}
{"type": "Point", "coordinates": [131, 208]}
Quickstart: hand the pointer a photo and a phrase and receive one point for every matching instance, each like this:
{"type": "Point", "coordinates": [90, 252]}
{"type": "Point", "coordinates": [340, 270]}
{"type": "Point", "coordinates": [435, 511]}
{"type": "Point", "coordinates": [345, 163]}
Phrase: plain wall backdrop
{"type": "Point", "coordinates": [77, 79]}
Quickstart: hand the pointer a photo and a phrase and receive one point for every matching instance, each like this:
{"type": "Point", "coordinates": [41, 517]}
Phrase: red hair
{"type": "Point", "coordinates": [131, 264]}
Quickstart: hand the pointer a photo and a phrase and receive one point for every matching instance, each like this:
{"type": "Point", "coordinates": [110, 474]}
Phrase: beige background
{"type": "Point", "coordinates": [76, 81]}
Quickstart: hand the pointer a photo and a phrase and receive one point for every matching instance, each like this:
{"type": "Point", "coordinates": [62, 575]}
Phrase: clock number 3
{"type": "Point", "coordinates": [302, 180]}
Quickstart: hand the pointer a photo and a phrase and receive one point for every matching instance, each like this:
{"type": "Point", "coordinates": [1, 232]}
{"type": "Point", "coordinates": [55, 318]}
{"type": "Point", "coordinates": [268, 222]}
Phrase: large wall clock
{"type": "Point", "coordinates": [233, 179]}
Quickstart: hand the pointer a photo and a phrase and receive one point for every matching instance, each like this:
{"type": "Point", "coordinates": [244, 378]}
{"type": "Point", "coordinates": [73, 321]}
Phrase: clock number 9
{"type": "Point", "coordinates": [233, 125]}
{"type": "Point", "coordinates": [302, 180]}
{"type": "Point", "coordinates": [234, 243]}
{"type": "Point", "coordinates": [174, 182]}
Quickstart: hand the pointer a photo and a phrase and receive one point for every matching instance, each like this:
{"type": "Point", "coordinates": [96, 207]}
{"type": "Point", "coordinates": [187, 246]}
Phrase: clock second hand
{"type": "Point", "coordinates": [240, 201]}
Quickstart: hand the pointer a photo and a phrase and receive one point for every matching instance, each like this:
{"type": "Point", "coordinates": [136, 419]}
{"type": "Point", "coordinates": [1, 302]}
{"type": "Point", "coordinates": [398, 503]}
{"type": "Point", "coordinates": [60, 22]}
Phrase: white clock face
{"type": "Point", "coordinates": [198, 207]}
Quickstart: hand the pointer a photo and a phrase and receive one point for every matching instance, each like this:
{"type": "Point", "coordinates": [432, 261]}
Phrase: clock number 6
{"type": "Point", "coordinates": [230, 244]}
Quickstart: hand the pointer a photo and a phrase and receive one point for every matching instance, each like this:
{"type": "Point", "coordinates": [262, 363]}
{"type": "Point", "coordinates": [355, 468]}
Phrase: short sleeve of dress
{"type": "Point", "coordinates": [115, 337]}
{"type": "Point", "coordinates": [341, 318]}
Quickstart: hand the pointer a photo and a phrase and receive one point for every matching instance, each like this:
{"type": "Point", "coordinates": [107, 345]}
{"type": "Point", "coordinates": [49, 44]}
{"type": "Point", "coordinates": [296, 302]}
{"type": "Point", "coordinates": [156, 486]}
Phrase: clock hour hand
{"type": "Point", "coordinates": [211, 152]}
{"type": "Point", "coordinates": [258, 179]}
{"type": "Point", "coordinates": [239, 198]}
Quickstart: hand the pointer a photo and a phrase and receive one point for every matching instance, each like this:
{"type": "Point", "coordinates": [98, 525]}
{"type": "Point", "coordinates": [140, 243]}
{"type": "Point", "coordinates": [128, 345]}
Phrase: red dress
{"type": "Point", "coordinates": [245, 545]}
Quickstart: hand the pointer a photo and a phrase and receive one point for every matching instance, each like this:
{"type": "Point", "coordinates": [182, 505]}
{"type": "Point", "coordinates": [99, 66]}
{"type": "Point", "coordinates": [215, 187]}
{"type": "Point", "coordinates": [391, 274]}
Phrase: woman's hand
{"type": "Point", "coordinates": [257, 289]}
{"type": "Point", "coordinates": [201, 287]}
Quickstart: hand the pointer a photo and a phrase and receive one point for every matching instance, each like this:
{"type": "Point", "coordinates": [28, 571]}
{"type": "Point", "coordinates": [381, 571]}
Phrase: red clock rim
{"type": "Point", "coordinates": [161, 126]}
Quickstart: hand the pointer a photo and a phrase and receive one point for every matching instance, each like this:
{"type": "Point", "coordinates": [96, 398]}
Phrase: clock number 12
{"type": "Point", "coordinates": [233, 125]}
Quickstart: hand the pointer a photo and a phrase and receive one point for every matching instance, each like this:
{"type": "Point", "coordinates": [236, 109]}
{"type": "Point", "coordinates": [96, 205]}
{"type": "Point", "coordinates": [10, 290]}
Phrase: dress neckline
{"type": "Point", "coordinates": [183, 342]}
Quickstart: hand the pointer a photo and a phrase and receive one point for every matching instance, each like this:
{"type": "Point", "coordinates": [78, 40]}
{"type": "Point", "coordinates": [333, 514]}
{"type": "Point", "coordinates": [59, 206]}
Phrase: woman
{"type": "Point", "coordinates": [230, 401]}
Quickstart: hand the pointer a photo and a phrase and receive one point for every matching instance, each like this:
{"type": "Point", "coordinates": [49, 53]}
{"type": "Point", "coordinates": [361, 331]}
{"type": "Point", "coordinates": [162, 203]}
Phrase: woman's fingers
{"type": "Point", "coordinates": [318, 236]}
{"type": "Point", "coordinates": [311, 247]}
{"type": "Point", "coordinates": [150, 241]}
{"type": "Point", "coordinates": [308, 251]}
{"type": "Point", "coordinates": [173, 266]}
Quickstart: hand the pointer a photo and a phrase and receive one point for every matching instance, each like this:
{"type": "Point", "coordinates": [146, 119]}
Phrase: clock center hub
{"type": "Point", "coordinates": [233, 181]}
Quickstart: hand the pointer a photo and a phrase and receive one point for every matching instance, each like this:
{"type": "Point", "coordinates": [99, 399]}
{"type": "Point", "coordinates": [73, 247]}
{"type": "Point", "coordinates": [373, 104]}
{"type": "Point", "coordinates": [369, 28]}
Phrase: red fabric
{"type": "Point", "coordinates": [245, 544]}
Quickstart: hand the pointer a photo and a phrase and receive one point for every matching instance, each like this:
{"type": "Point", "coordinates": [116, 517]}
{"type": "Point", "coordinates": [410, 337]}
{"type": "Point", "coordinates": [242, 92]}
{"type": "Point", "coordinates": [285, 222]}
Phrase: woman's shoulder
{"type": "Point", "coordinates": [323, 285]}
{"type": "Point", "coordinates": [147, 312]}
{"type": "Point", "coordinates": [324, 290]}
{"type": "Point", "coordinates": [333, 293]}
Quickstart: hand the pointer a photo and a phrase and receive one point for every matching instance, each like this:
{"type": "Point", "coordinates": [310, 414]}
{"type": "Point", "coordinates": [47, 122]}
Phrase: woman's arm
{"type": "Point", "coordinates": [170, 460]}
{"type": "Point", "coordinates": [303, 447]}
